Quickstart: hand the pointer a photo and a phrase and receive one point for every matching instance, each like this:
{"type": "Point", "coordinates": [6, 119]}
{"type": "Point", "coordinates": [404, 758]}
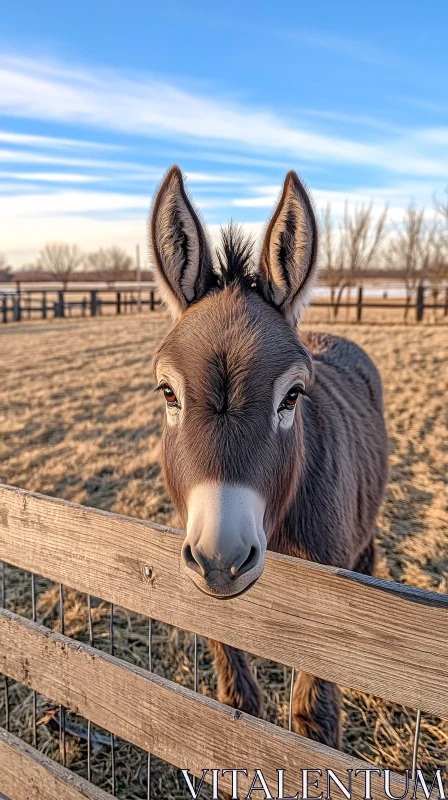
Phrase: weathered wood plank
{"type": "Point", "coordinates": [372, 635]}
{"type": "Point", "coordinates": [186, 729]}
{"type": "Point", "coordinates": [25, 773]}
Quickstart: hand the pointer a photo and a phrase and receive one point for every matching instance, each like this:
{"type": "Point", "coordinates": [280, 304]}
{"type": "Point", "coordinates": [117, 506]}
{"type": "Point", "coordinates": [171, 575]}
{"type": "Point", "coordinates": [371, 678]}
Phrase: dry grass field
{"type": "Point", "coordinates": [79, 420]}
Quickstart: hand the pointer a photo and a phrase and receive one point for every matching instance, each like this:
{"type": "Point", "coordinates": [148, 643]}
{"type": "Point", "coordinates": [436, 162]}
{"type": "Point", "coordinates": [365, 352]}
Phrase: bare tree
{"type": "Point", "coordinates": [61, 260]}
{"type": "Point", "coordinates": [5, 269]}
{"type": "Point", "coordinates": [350, 252]}
{"type": "Point", "coordinates": [110, 262]}
{"type": "Point", "coordinates": [330, 255]}
{"type": "Point", "coordinates": [442, 208]}
{"type": "Point", "coordinates": [410, 250]}
{"type": "Point", "coordinates": [437, 271]}
{"type": "Point", "coordinates": [32, 266]}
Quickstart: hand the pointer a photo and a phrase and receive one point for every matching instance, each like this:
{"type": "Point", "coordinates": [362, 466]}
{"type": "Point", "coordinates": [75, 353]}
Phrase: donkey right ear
{"type": "Point", "coordinates": [182, 257]}
{"type": "Point", "coordinates": [288, 258]}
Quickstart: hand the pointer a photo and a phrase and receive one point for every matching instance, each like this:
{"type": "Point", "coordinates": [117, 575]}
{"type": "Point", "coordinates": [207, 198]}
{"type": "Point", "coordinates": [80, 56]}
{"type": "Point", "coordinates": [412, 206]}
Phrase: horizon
{"type": "Point", "coordinates": [90, 119]}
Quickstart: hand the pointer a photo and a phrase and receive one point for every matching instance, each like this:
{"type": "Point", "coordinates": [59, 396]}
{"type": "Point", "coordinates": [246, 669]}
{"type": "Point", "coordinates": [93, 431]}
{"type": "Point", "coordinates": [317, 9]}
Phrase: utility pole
{"type": "Point", "coordinates": [139, 291]}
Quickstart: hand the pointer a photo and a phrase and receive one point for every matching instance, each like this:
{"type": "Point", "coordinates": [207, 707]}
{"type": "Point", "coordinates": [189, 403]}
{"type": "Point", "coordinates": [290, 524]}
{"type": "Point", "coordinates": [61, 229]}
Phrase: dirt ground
{"type": "Point", "coordinates": [79, 420]}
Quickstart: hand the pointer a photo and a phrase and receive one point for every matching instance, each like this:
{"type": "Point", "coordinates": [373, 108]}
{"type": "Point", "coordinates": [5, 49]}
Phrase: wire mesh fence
{"type": "Point", "coordinates": [117, 766]}
{"type": "Point", "coordinates": [75, 742]}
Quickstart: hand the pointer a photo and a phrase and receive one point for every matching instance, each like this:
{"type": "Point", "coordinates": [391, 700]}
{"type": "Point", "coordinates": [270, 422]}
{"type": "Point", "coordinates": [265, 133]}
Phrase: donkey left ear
{"type": "Point", "coordinates": [182, 259]}
{"type": "Point", "coordinates": [288, 258]}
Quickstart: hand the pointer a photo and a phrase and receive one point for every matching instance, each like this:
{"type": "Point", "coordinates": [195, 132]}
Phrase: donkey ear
{"type": "Point", "coordinates": [288, 258]}
{"type": "Point", "coordinates": [182, 257]}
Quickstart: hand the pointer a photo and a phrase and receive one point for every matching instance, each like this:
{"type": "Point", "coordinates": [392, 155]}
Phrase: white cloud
{"type": "Point", "coordinates": [352, 48]}
{"type": "Point", "coordinates": [148, 107]}
{"type": "Point", "coordinates": [87, 232]}
{"type": "Point", "coordinates": [205, 177]}
{"type": "Point", "coordinates": [10, 187]}
{"type": "Point", "coordinates": [130, 170]}
{"type": "Point", "coordinates": [68, 202]}
{"type": "Point", "coordinates": [192, 177]}
{"type": "Point", "coordinates": [50, 177]}
{"type": "Point", "coordinates": [436, 136]}
{"type": "Point", "coordinates": [396, 197]}
{"type": "Point", "coordinates": [255, 202]}
{"type": "Point", "coordinates": [53, 142]}
{"type": "Point", "coordinates": [28, 157]}
{"type": "Point", "coordinates": [89, 218]}
{"type": "Point", "coordinates": [80, 202]}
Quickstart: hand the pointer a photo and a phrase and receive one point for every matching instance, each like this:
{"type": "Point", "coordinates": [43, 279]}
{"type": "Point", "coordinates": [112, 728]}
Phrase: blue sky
{"type": "Point", "coordinates": [98, 99]}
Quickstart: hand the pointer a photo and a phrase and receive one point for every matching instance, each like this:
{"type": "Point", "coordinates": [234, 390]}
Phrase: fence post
{"type": "Point", "coordinates": [420, 302]}
{"type": "Point", "coordinates": [359, 305]}
{"type": "Point", "coordinates": [19, 302]}
{"type": "Point", "coordinates": [93, 303]}
{"type": "Point", "coordinates": [59, 307]}
{"type": "Point", "coordinates": [445, 310]}
{"type": "Point", "coordinates": [16, 308]}
{"type": "Point", "coordinates": [44, 305]}
{"type": "Point", "coordinates": [118, 302]}
{"type": "Point", "coordinates": [5, 308]}
{"type": "Point", "coordinates": [151, 300]}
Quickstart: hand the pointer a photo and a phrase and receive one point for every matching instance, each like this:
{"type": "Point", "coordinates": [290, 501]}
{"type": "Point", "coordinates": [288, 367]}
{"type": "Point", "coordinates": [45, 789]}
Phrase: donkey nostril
{"type": "Point", "coordinates": [190, 561]}
{"type": "Point", "coordinates": [249, 562]}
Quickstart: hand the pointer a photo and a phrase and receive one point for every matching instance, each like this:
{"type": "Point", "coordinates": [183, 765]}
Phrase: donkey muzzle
{"type": "Point", "coordinates": [225, 544]}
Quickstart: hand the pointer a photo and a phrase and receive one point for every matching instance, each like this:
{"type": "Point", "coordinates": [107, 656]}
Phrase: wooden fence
{"type": "Point", "coordinates": [32, 303]}
{"type": "Point", "coordinates": [365, 633]}
{"type": "Point", "coordinates": [37, 304]}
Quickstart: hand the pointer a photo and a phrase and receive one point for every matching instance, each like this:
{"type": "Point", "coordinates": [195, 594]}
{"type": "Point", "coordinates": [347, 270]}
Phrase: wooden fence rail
{"type": "Point", "coordinates": [172, 722]}
{"type": "Point", "coordinates": [26, 774]}
{"type": "Point", "coordinates": [376, 636]}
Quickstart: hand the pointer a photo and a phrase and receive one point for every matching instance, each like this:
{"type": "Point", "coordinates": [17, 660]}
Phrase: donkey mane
{"type": "Point", "coordinates": [235, 257]}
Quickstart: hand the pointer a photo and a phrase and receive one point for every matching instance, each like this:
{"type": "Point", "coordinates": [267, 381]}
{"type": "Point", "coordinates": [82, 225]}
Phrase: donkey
{"type": "Point", "coordinates": [270, 440]}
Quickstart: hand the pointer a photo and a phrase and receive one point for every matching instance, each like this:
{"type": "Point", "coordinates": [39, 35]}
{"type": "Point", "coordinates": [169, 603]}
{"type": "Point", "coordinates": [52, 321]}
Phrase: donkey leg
{"type": "Point", "coordinates": [316, 706]}
{"type": "Point", "coordinates": [366, 561]}
{"type": "Point", "coordinates": [237, 686]}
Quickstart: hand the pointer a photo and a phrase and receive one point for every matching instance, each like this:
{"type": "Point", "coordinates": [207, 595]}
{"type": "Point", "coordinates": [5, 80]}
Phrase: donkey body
{"type": "Point", "coordinates": [271, 440]}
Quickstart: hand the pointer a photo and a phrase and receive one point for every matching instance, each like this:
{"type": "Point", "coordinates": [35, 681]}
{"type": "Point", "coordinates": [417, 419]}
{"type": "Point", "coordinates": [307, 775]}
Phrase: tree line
{"type": "Point", "coordinates": [62, 260]}
{"type": "Point", "coordinates": [416, 248]}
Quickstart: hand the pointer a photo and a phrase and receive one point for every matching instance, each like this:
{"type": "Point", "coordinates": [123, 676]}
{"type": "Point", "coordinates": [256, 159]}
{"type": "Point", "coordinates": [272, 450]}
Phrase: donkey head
{"type": "Point", "coordinates": [232, 371]}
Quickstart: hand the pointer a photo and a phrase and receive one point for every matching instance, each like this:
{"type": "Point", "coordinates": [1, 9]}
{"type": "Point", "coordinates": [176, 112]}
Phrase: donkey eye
{"type": "Point", "coordinates": [169, 395]}
{"type": "Point", "coordinates": [289, 401]}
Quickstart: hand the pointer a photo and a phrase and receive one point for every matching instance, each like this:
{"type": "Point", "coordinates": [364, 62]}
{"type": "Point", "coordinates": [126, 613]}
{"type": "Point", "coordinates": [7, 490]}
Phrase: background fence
{"type": "Point", "coordinates": [37, 304]}
{"type": "Point", "coordinates": [377, 636]}
{"type": "Point", "coordinates": [29, 304]}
